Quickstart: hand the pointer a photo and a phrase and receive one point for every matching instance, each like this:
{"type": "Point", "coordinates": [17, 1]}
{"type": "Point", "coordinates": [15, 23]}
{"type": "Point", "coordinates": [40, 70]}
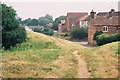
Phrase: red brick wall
{"type": "Point", "coordinates": [77, 24]}
{"type": "Point", "coordinates": [111, 29]}
{"type": "Point", "coordinates": [92, 30]}
{"type": "Point", "coordinates": [67, 24]}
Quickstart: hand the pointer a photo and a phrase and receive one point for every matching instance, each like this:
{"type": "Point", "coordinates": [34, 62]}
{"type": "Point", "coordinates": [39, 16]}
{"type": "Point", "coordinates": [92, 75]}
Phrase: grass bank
{"type": "Point", "coordinates": [44, 56]}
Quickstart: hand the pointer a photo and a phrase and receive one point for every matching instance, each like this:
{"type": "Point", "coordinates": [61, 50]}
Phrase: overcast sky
{"type": "Point", "coordinates": [35, 9]}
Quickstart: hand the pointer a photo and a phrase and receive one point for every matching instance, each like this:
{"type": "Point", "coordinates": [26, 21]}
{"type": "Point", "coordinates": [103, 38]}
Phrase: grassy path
{"type": "Point", "coordinates": [82, 67]}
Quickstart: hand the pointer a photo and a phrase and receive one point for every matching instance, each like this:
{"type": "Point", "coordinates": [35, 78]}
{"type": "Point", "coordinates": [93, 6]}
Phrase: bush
{"type": "Point", "coordinates": [117, 37]}
{"type": "Point", "coordinates": [37, 29]}
{"type": "Point", "coordinates": [105, 38]}
{"type": "Point", "coordinates": [79, 33]}
{"type": "Point", "coordinates": [96, 34]}
{"type": "Point", "coordinates": [12, 33]}
{"type": "Point", "coordinates": [11, 38]}
{"type": "Point", "coordinates": [48, 31]}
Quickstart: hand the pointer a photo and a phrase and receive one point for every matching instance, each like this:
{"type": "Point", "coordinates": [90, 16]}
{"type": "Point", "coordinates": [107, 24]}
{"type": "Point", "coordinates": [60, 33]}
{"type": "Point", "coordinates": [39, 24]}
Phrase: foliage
{"type": "Point", "coordinates": [30, 22]}
{"type": "Point", "coordinates": [105, 38]}
{"type": "Point", "coordinates": [42, 21]}
{"type": "Point", "coordinates": [11, 38]}
{"type": "Point", "coordinates": [33, 22]}
{"type": "Point", "coordinates": [48, 31]}
{"type": "Point", "coordinates": [57, 21]}
{"type": "Point", "coordinates": [79, 33]}
{"type": "Point", "coordinates": [45, 20]}
{"type": "Point", "coordinates": [12, 33]}
{"type": "Point", "coordinates": [37, 29]}
{"type": "Point", "coordinates": [96, 34]}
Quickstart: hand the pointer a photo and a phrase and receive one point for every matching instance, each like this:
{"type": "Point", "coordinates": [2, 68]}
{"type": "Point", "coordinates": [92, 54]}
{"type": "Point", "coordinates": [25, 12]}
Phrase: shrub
{"type": "Point", "coordinates": [12, 33]}
{"type": "Point", "coordinates": [48, 31]}
{"type": "Point", "coordinates": [11, 38]}
{"type": "Point", "coordinates": [79, 33]}
{"type": "Point", "coordinates": [105, 38]}
{"type": "Point", "coordinates": [37, 29]}
{"type": "Point", "coordinates": [117, 37]}
{"type": "Point", "coordinates": [96, 34]}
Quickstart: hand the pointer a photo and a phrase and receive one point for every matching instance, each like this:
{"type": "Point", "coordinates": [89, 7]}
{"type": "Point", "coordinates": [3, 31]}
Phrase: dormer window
{"type": "Point", "coordinates": [105, 28]}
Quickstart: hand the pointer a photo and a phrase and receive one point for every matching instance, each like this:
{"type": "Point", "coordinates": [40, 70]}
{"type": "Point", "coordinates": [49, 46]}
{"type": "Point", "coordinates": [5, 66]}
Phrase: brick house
{"type": "Point", "coordinates": [75, 20]}
{"type": "Point", "coordinates": [108, 22]}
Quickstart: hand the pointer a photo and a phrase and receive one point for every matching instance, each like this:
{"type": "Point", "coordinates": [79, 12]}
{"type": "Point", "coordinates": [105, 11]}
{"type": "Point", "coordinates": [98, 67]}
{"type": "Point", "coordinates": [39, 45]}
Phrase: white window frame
{"type": "Point", "coordinates": [79, 23]}
{"type": "Point", "coordinates": [73, 25]}
{"type": "Point", "coordinates": [106, 28]}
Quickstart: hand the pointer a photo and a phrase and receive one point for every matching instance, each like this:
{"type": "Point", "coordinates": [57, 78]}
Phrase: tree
{"type": "Point", "coordinates": [49, 17]}
{"type": "Point", "coordinates": [57, 21]}
{"type": "Point", "coordinates": [79, 33]}
{"type": "Point", "coordinates": [32, 22]}
{"type": "Point", "coordinates": [12, 33]}
{"type": "Point", "coordinates": [45, 20]}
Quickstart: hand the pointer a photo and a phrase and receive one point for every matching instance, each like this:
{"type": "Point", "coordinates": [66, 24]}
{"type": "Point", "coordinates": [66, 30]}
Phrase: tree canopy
{"type": "Point", "coordinates": [12, 33]}
{"type": "Point", "coordinates": [41, 21]}
{"type": "Point", "coordinates": [45, 20]}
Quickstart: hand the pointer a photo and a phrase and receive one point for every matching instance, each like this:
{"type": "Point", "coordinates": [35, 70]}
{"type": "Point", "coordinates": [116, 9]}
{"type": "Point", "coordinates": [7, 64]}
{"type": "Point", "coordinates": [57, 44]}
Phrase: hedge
{"type": "Point", "coordinates": [105, 38]}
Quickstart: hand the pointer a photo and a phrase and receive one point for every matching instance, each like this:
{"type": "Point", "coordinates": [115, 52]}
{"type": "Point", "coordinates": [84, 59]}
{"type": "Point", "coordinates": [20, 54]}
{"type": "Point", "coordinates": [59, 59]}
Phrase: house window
{"type": "Point", "coordinates": [73, 25]}
{"type": "Point", "coordinates": [105, 28]}
{"type": "Point", "coordinates": [81, 23]}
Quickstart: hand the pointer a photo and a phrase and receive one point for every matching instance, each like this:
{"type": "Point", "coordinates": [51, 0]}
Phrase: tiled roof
{"type": "Point", "coordinates": [106, 13]}
{"type": "Point", "coordinates": [102, 13]}
{"type": "Point", "coordinates": [84, 17]}
{"type": "Point", "coordinates": [73, 17]}
{"type": "Point", "coordinates": [103, 20]}
{"type": "Point", "coordinates": [87, 18]}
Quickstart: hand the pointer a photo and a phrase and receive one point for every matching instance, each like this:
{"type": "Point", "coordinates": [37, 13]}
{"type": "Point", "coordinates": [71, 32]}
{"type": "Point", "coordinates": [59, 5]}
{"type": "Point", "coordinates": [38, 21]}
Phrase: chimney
{"type": "Point", "coordinates": [111, 13]}
{"type": "Point", "coordinates": [112, 10]}
{"type": "Point", "coordinates": [92, 14]}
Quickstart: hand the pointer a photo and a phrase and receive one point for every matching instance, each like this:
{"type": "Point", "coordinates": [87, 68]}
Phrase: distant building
{"type": "Point", "coordinates": [76, 20]}
{"type": "Point", "coordinates": [108, 22]}
{"type": "Point", "coordinates": [61, 26]}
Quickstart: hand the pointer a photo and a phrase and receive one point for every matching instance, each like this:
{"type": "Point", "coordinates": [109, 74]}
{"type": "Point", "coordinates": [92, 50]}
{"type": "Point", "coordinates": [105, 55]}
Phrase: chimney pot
{"type": "Point", "coordinates": [112, 10]}
{"type": "Point", "coordinates": [92, 14]}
